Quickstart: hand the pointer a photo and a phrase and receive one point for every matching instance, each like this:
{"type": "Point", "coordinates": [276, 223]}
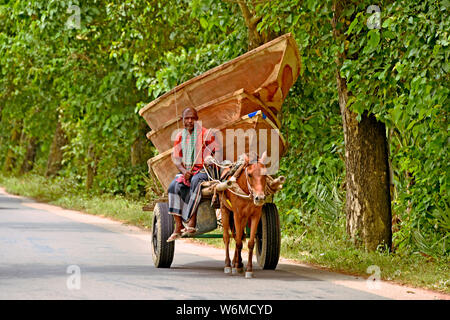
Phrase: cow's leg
{"type": "Point", "coordinates": [254, 220]}
{"type": "Point", "coordinates": [226, 238]}
{"type": "Point", "coordinates": [238, 265]}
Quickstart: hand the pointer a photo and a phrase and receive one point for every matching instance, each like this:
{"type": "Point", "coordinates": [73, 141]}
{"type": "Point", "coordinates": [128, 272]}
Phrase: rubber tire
{"type": "Point", "coordinates": [163, 226]}
{"type": "Point", "coordinates": [268, 238]}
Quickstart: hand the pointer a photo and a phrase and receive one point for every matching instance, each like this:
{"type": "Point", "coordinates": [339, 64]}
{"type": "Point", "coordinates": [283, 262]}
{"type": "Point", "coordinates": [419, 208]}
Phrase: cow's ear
{"type": "Point", "coordinates": [246, 159]}
{"type": "Point", "coordinates": [263, 158]}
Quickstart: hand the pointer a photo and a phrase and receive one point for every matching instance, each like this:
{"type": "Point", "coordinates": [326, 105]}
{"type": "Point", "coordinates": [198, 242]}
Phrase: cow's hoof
{"type": "Point", "coordinates": [227, 270]}
{"type": "Point", "coordinates": [233, 271]}
{"type": "Point", "coordinates": [248, 275]}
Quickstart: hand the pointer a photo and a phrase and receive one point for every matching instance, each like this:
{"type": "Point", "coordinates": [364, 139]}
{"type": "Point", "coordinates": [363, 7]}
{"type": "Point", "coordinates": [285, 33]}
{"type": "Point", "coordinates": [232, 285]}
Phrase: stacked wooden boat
{"type": "Point", "coordinates": [244, 93]}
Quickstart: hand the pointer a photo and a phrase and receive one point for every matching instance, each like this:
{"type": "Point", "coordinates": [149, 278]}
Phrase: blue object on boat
{"type": "Point", "coordinates": [251, 115]}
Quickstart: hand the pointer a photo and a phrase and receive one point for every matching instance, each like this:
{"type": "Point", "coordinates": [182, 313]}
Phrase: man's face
{"type": "Point", "coordinates": [189, 119]}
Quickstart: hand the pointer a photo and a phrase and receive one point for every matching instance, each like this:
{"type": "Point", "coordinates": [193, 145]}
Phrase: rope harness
{"type": "Point", "coordinates": [238, 166]}
{"type": "Point", "coordinates": [235, 170]}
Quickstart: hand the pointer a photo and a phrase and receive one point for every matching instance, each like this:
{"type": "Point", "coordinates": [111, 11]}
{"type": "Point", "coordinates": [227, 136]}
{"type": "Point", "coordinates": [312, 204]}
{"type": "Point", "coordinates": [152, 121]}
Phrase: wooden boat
{"type": "Point", "coordinates": [213, 114]}
{"type": "Point", "coordinates": [238, 137]}
{"type": "Point", "coordinates": [267, 72]}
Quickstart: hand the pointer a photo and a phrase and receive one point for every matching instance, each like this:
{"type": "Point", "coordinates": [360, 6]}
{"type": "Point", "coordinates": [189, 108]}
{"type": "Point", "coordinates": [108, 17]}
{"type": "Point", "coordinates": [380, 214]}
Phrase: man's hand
{"type": "Point", "coordinates": [187, 175]}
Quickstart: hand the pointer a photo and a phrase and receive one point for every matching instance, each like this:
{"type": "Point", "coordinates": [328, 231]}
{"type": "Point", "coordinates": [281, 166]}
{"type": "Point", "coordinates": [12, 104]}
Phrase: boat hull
{"type": "Point", "coordinates": [267, 72]}
{"type": "Point", "coordinates": [214, 114]}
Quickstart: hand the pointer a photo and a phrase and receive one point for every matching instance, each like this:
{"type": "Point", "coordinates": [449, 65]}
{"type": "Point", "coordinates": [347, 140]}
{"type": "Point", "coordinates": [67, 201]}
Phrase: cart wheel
{"type": "Point", "coordinates": [162, 251]}
{"type": "Point", "coordinates": [268, 238]}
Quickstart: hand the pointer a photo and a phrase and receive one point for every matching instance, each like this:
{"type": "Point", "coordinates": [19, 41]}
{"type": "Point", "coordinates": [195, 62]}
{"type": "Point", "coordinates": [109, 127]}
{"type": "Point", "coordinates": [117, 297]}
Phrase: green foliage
{"type": "Point", "coordinates": [398, 72]}
{"type": "Point", "coordinates": [95, 76]}
{"type": "Point", "coordinates": [311, 119]}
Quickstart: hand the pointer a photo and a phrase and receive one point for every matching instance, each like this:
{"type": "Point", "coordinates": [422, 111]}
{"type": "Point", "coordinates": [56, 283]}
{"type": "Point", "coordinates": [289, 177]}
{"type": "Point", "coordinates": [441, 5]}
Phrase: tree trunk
{"type": "Point", "coordinates": [140, 147]}
{"type": "Point", "coordinates": [368, 202]}
{"type": "Point", "coordinates": [91, 167]}
{"type": "Point", "coordinates": [56, 153]}
{"type": "Point", "coordinates": [10, 159]}
{"type": "Point", "coordinates": [30, 155]}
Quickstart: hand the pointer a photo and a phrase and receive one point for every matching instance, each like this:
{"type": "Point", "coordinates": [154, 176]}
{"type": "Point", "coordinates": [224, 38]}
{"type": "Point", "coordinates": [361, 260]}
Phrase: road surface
{"type": "Point", "coordinates": [47, 252]}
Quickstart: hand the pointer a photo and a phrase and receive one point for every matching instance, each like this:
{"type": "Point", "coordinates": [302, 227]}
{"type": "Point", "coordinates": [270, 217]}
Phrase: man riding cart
{"type": "Point", "coordinates": [192, 145]}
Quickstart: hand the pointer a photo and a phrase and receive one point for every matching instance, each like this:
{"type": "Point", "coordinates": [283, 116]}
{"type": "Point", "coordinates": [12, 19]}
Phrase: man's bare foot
{"type": "Point", "coordinates": [189, 230]}
{"type": "Point", "coordinates": [174, 236]}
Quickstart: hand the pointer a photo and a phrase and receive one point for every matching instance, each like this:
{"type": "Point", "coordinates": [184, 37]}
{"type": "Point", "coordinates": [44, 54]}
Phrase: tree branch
{"type": "Point", "coordinates": [246, 14]}
{"type": "Point", "coordinates": [254, 38]}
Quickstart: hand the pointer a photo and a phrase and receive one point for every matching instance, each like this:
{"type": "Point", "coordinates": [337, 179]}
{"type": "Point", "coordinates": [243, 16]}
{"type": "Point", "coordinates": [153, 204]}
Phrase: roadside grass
{"type": "Point", "coordinates": [69, 195]}
{"type": "Point", "coordinates": [321, 244]}
{"type": "Point", "coordinates": [332, 249]}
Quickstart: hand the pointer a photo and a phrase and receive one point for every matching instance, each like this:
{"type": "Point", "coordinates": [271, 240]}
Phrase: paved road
{"type": "Point", "coordinates": [50, 253]}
